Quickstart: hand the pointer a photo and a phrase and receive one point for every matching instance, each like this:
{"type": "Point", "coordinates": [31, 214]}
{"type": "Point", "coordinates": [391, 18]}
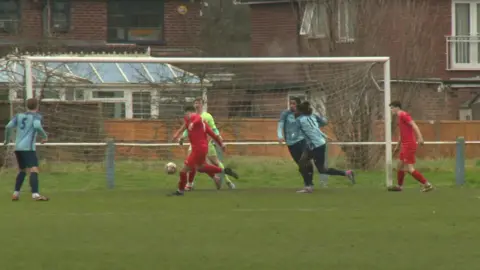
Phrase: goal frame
{"type": "Point", "coordinates": [28, 60]}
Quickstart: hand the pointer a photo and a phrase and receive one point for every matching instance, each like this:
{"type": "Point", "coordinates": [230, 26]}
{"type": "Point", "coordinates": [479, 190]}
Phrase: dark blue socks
{"type": "Point", "coordinates": [34, 182]}
{"type": "Point", "coordinates": [19, 181]}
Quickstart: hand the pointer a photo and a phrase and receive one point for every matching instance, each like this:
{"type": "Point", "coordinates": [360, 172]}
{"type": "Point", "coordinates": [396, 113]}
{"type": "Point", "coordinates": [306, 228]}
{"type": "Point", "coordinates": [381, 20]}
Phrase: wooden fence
{"type": "Point", "coordinates": [266, 130]}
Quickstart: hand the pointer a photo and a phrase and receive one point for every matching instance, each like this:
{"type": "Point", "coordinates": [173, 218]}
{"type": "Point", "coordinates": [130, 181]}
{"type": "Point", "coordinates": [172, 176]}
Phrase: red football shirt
{"type": "Point", "coordinates": [407, 134]}
{"type": "Point", "coordinates": [198, 132]}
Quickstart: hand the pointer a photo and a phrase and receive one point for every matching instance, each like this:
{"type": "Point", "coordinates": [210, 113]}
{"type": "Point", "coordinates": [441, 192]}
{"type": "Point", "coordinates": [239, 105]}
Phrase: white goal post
{"type": "Point", "coordinates": [325, 62]}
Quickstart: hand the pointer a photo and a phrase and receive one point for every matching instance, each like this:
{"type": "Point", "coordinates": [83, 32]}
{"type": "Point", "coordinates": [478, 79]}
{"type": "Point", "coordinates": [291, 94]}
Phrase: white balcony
{"type": "Point", "coordinates": [463, 52]}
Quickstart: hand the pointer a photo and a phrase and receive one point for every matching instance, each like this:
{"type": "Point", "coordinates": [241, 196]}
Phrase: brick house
{"type": "Point", "coordinates": [106, 27]}
{"type": "Point", "coordinates": [433, 44]}
{"type": "Point", "coordinates": [170, 27]}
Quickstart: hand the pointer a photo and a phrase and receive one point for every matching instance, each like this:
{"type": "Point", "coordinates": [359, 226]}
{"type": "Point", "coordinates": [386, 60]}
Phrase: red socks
{"type": "Point", "coordinates": [210, 170]}
{"type": "Point", "coordinates": [400, 177]}
{"type": "Point", "coordinates": [419, 177]}
{"type": "Point", "coordinates": [191, 176]}
{"type": "Point", "coordinates": [183, 181]}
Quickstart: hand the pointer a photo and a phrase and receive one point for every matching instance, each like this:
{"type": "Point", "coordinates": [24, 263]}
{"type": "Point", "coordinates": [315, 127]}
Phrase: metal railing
{"type": "Point", "coordinates": [463, 52]}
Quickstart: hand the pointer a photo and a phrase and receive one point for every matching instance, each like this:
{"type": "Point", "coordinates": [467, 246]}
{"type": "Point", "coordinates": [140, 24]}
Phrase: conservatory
{"type": "Point", "coordinates": [126, 90]}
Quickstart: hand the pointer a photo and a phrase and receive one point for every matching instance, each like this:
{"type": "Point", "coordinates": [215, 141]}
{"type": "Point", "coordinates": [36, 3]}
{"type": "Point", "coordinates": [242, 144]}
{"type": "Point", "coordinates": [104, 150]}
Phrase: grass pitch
{"type": "Point", "coordinates": [262, 225]}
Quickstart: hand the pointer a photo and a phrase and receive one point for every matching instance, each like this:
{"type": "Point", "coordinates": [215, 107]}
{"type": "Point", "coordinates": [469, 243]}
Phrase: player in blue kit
{"type": "Point", "coordinates": [27, 126]}
{"type": "Point", "coordinates": [288, 132]}
{"type": "Point", "coordinates": [315, 142]}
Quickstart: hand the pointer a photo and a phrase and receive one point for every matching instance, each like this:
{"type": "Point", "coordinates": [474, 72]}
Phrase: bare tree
{"type": "Point", "coordinates": [354, 102]}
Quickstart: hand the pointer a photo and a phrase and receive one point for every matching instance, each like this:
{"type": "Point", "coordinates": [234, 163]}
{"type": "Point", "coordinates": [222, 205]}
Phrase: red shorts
{"type": "Point", "coordinates": [197, 157]}
{"type": "Point", "coordinates": [407, 154]}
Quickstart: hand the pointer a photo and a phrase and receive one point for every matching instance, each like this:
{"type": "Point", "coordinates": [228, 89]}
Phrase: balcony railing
{"type": "Point", "coordinates": [463, 52]}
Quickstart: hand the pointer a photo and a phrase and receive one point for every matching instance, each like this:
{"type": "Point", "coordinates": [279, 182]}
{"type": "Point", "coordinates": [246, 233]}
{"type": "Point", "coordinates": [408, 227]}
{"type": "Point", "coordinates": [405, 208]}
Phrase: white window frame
{"type": "Point", "coordinates": [314, 9]}
{"type": "Point", "coordinates": [152, 104]}
{"type": "Point", "coordinates": [343, 20]}
{"type": "Point", "coordinates": [473, 46]}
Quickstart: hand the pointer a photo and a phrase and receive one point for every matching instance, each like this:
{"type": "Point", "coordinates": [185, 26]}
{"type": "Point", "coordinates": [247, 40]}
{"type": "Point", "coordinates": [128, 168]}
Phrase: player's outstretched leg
{"type": "Point", "coordinates": [319, 160]}
{"type": "Point", "coordinates": [217, 162]}
{"type": "Point", "coordinates": [213, 153]}
{"type": "Point", "coordinates": [18, 184]}
{"type": "Point", "coordinates": [211, 170]}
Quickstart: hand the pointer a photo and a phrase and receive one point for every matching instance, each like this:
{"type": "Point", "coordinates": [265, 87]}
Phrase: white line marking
{"type": "Point", "coordinates": [284, 210]}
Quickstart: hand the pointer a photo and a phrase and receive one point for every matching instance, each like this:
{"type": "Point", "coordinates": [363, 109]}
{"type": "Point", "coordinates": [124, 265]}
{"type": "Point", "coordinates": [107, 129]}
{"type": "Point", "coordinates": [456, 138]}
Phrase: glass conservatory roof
{"type": "Point", "coordinates": [98, 73]}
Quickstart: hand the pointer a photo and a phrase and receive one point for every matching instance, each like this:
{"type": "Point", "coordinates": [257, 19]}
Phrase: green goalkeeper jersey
{"type": "Point", "coordinates": [208, 118]}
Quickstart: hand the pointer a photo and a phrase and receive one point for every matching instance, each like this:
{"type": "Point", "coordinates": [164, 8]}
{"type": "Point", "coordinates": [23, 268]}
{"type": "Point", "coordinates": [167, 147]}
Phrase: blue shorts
{"type": "Point", "coordinates": [26, 159]}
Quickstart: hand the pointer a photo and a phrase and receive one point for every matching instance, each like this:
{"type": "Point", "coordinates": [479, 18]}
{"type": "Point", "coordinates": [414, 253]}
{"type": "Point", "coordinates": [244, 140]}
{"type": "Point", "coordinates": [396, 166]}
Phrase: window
{"type": "Point", "coordinates": [60, 15]}
{"type": "Point", "coordinates": [314, 21]}
{"type": "Point", "coordinates": [135, 23]}
{"type": "Point", "coordinates": [4, 92]}
{"type": "Point", "coordinates": [113, 110]}
{"type": "Point", "coordinates": [170, 107]}
{"type": "Point", "coordinates": [142, 105]}
{"type": "Point", "coordinates": [108, 94]}
{"type": "Point", "coordinates": [466, 28]}
{"type": "Point", "coordinates": [49, 92]}
{"type": "Point", "coordinates": [347, 15]}
{"type": "Point", "coordinates": [9, 16]}
{"type": "Point", "coordinates": [72, 94]}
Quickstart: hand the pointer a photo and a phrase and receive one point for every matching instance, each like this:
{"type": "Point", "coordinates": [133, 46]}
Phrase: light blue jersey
{"type": "Point", "coordinates": [309, 125]}
{"type": "Point", "coordinates": [288, 125]}
{"type": "Point", "coordinates": [27, 126]}
{"type": "Point", "coordinates": [287, 128]}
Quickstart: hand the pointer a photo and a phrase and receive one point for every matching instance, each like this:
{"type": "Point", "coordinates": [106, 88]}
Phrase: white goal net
{"type": "Point", "coordinates": [138, 103]}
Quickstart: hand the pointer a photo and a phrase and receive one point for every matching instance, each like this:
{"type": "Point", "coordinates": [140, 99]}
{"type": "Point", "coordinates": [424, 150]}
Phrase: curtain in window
{"type": "Point", "coordinates": [462, 31]}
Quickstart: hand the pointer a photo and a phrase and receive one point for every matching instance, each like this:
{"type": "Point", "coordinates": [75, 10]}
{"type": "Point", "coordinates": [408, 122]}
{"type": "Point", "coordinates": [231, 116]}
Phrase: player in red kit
{"type": "Point", "coordinates": [198, 132]}
{"type": "Point", "coordinates": [408, 147]}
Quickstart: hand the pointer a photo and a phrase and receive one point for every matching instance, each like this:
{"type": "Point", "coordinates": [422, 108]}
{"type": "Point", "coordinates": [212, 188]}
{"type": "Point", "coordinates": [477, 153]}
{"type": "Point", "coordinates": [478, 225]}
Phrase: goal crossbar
{"type": "Point", "coordinates": [200, 60]}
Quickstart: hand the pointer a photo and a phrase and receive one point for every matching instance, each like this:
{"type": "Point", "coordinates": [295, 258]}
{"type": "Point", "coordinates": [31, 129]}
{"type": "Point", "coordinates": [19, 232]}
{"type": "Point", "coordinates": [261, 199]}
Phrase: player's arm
{"type": "Point", "coordinates": [37, 125]}
{"type": "Point", "coordinates": [179, 131]}
{"type": "Point", "coordinates": [408, 119]}
{"type": "Point", "coordinates": [214, 136]}
{"type": "Point", "coordinates": [417, 131]}
{"type": "Point", "coordinates": [8, 129]}
{"type": "Point", "coordinates": [280, 126]}
{"type": "Point", "coordinates": [321, 120]}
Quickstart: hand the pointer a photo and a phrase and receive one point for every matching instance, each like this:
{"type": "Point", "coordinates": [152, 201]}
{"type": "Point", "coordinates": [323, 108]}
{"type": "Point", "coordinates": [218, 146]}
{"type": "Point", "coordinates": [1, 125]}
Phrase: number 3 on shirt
{"type": "Point", "coordinates": [24, 122]}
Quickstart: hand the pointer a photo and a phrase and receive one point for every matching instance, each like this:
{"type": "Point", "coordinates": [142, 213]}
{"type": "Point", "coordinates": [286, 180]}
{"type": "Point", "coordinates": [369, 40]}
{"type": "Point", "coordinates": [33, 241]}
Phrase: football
{"type": "Point", "coordinates": [170, 168]}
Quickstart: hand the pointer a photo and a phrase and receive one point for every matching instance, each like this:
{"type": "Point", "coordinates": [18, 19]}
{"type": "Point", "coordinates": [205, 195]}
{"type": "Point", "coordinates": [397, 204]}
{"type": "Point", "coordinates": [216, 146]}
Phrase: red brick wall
{"type": "Point", "coordinates": [275, 33]}
{"type": "Point", "coordinates": [89, 23]}
{"type": "Point", "coordinates": [274, 29]}
{"type": "Point", "coordinates": [386, 32]}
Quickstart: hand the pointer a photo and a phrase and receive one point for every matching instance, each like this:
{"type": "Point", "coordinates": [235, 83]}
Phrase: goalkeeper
{"type": "Point", "coordinates": [212, 156]}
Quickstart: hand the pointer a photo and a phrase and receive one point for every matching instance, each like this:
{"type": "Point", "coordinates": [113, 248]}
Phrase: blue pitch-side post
{"type": "Point", "coordinates": [324, 177]}
{"type": "Point", "coordinates": [110, 163]}
{"type": "Point", "coordinates": [460, 161]}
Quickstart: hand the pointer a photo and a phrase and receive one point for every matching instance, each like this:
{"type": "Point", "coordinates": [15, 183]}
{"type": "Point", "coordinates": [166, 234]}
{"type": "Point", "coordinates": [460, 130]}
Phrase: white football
{"type": "Point", "coordinates": [170, 168]}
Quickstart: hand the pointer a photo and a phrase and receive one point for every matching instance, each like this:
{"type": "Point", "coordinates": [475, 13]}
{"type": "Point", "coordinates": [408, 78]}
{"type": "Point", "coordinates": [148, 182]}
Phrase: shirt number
{"type": "Point", "coordinates": [23, 124]}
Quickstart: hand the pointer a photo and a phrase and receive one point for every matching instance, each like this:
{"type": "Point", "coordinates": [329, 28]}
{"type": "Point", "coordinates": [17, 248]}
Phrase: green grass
{"type": "Point", "coordinates": [262, 225]}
